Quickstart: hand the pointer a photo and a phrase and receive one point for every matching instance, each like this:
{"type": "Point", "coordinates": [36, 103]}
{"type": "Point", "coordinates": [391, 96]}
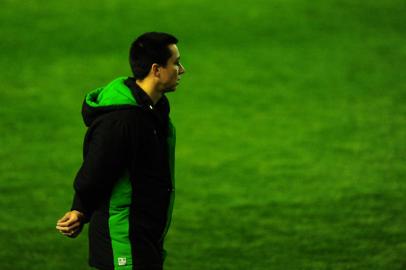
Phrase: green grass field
{"type": "Point", "coordinates": [291, 126]}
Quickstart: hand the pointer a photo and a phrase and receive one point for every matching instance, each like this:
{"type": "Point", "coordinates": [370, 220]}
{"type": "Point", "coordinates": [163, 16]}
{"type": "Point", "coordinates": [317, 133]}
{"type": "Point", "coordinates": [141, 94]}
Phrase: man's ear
{"type": "Point", "coordinates": [155, 69]}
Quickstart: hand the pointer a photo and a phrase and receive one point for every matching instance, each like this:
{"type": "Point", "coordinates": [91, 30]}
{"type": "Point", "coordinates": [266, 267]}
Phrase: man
{"type": "Point", "coordinates": [125, 186]}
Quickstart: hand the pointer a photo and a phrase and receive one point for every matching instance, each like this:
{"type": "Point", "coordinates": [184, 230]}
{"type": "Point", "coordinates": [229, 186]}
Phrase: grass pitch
{"type": "Point", "coordinates": [291, 124]}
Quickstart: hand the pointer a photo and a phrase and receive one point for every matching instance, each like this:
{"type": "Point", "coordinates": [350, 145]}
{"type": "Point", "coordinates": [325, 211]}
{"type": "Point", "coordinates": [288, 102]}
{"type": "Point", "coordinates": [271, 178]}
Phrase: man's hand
{"type": "Point", "coordinates": [71, 223]}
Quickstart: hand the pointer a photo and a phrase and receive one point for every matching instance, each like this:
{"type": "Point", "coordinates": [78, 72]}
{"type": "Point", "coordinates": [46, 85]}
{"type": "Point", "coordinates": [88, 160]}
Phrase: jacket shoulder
{"type": "Point", "coordinates": [127, 116]}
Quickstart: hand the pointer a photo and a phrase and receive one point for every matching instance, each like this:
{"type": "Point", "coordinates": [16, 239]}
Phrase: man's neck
{"type": "Point", "coordinates": [150, 89]}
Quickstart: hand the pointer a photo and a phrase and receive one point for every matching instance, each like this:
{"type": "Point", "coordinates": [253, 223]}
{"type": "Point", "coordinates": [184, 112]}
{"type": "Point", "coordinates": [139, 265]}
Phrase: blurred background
{"type": "Point", "coordinates": [291, 126]}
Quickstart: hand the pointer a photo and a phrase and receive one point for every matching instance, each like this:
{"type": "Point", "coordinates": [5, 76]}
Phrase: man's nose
{"type": "Point", "coordinates": [182, 69]}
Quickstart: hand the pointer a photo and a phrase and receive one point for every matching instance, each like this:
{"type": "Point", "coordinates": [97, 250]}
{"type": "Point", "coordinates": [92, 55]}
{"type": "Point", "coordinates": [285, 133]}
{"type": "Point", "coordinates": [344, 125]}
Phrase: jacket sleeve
{"type": "Point", "coordinates": [105, 159]}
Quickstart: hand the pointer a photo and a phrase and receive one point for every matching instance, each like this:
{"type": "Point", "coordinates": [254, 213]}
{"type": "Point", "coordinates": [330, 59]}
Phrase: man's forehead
{"type": "Point", "coordinates": [175, 51]}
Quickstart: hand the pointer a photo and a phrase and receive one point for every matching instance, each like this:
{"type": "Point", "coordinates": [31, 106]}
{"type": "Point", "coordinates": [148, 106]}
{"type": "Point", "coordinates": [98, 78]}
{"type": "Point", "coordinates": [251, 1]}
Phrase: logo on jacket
{"type": "Point", "coordinates": [122, 261]}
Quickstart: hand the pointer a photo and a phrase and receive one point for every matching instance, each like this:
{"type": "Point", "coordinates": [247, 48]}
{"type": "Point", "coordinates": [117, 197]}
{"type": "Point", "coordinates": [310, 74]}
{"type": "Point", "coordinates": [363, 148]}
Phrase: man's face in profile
{"type": "Point", "coordinates": [170, 74]}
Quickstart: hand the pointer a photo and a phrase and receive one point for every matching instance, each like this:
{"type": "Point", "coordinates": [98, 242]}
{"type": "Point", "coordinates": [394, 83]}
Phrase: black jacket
{"type": "Point", "coordinates": [125, 186]}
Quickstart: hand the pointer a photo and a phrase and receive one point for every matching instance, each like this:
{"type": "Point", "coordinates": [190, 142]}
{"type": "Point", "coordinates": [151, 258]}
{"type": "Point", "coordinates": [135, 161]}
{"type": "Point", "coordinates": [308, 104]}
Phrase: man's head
{"type": "Point", "coordinates": [155, 56]}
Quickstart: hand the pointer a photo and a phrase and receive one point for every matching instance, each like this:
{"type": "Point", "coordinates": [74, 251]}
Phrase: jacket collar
{"type": "Point", "coordinates": [139, 94]}
{"type": "Point", "coordinates": [144, 100]}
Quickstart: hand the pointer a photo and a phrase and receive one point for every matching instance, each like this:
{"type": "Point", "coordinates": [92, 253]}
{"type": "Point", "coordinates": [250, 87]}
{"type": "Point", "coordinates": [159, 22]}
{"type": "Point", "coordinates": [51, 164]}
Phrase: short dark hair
{"type": "Point", "coordinates": [150, 48]}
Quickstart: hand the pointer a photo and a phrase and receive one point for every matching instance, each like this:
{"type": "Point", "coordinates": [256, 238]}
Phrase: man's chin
{"type": "Point", "coordinates": [170, 89]}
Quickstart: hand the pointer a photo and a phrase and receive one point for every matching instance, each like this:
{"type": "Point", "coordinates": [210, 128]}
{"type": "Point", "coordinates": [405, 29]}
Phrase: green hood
{"type": "Point", "coordinates": [115, 96]}
{"type": "Point", "coordinates": [115, 93]}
